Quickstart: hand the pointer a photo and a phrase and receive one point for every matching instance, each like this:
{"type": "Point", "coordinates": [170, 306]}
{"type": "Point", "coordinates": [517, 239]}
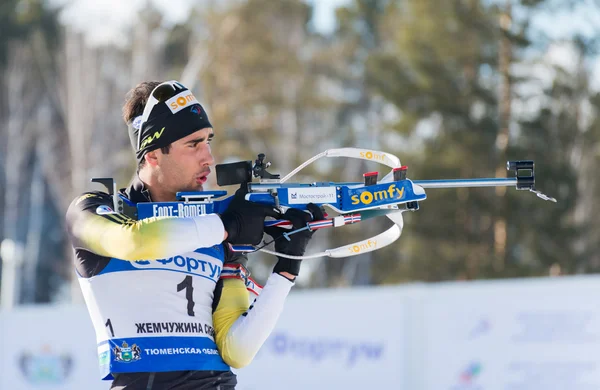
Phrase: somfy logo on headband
{"type": "Point", "coordinates": [181, 101]}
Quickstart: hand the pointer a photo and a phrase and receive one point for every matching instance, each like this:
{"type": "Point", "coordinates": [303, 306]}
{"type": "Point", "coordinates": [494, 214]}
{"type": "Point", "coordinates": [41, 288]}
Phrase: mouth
{"type": "Point", "coordinates": [203, 177]}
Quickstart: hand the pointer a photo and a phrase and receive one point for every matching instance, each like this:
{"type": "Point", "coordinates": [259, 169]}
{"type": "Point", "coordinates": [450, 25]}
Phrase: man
{"type": "Point", "coordinates": [165, 314]}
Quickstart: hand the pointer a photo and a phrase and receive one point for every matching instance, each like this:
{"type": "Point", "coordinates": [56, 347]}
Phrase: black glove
{"type": "Point", "coordinates": [244, 220]}
{"type": "Point", "coordinates": [298, 241]}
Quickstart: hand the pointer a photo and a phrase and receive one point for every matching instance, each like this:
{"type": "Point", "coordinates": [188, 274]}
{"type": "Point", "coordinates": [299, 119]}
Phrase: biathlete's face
{"type": "Point", "coordinates": [187, 165]}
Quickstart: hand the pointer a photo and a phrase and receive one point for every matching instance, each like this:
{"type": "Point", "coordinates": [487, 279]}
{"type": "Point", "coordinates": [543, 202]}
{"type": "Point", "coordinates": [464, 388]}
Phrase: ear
{"type": "Point", "coordinates": [152, 157]}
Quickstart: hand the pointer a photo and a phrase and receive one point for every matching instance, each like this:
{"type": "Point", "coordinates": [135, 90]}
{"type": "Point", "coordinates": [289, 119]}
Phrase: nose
{"type": "Point", "coordinates": [206, 156]}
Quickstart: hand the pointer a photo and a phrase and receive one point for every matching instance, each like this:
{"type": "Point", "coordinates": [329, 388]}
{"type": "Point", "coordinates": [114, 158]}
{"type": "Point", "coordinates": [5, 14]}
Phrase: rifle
{"type": "Point", "coordinates": [345, 203]}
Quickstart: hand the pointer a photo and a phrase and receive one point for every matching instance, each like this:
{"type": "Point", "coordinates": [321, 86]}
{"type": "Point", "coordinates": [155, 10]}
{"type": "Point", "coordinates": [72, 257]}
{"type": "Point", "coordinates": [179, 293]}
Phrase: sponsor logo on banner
{"type": "Point", "coordinates": [45, 366]}
{"type": "Point", "coordinates": [348, 352]}
{"type": "Point", "coordinates": [467, 377]}
{"type": "Point", "coordinates": [314, 195]}
{"type": "Point", "coordinates": [181, 101]}
{"type": "Point", "coordinates": [482, 327]}
{"type": "Point", "coordinates": [127, 354]}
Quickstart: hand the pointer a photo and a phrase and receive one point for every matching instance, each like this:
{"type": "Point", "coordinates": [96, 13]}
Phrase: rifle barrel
{"type": "Point", "coordinates": [455, 183]}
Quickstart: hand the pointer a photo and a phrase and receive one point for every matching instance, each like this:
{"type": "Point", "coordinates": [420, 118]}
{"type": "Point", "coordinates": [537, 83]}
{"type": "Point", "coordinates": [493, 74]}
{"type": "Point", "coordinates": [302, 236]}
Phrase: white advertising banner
{"type": "Point", "coordinates": [50, 348]}
{"type": "Point", "coordinates": [539, 334]}
{"type": "Point", "coordinates": [528, 334]}
{"type": "Point", "coordinates": [334, 339]}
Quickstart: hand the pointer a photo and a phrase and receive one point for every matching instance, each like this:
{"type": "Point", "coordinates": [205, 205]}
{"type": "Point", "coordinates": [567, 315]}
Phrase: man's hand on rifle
{"type": "Point", "coordinates": [244, 220]}
{"type": "Point", "coordinates": [296, 245]}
